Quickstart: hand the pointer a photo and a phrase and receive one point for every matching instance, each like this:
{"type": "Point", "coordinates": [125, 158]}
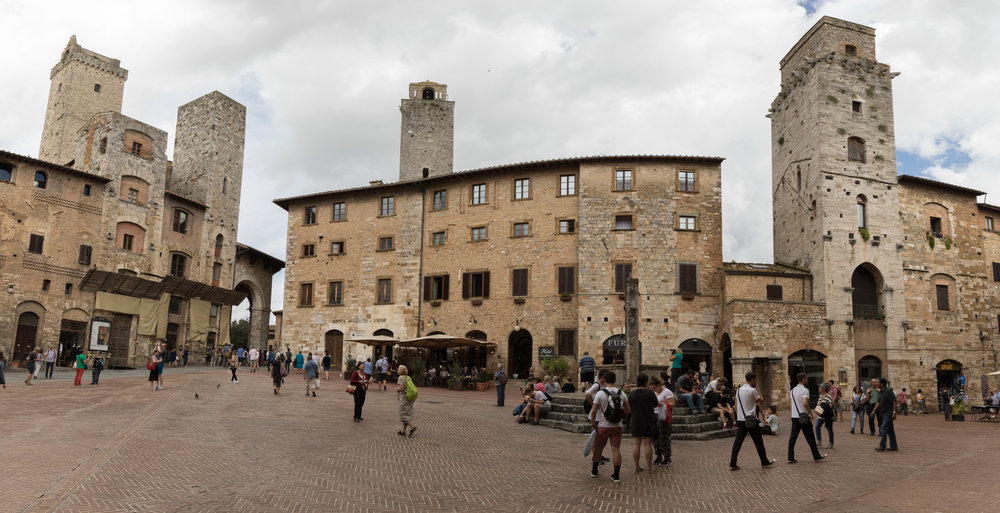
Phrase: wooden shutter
{"type": "Point", "coordinates": [942, 297]}
{"type": "Point", "coordinates": [444, 287]}
{"type": "Point", "coordinates": [428, 281]}
{"type": "Point", "coordinates": [688, 278]}
{"type": "Point", "coordinates": [567, 279]}
{"type": "Point", "coordinates": [486, 284]}
{"type": "Point", "coordinates": [466, 283]}
{"type": "Point", "coordinates": [622, 273]}
{"type": "Point", "coordinates": [996, 271]}
{"type": "Point", "coordinates": [519, 282]}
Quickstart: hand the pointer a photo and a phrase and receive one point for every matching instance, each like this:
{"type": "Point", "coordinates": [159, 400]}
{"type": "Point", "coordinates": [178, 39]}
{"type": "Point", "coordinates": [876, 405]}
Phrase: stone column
{"type": "Point", "coordinates": [741, 366]}
{"type": "Point", "coordinates": [631, 331]}
{"type": "Point", "coordinates": [259, 321]}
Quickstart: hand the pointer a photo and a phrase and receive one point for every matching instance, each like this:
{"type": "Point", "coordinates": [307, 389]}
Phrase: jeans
{"type": "Point", "coordinates": [49, 367]}
{"type": "Point", "coordinates": [922, 406]}
{"type": "Point", "coordinates": [887, 429]}
{"type": "Point", "coordinates": [807, 433]}
{"type": "Point", "coordinates": [758, 442]}
{"type": "Point", "coordinates": [858, 419]}
{"type": "Point", "coordinates": [359, 401]}
{"type": "Point", "coordinates": [95, 375]}
{"type": "Point", "coordinates": [820, 422]}
{"type": "Point", "coordinates": [501, 393]}
{"type": "Point", "coordinates": [690, 398]}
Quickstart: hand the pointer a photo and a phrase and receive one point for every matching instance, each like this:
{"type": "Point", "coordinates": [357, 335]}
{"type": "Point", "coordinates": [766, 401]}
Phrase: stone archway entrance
{"type": "Point", "coordinates": [334, 344]}
{"type": "Point", "coordinates": [869, 368]}
{"type": "Point", "coordinates": [727, 357]}
{"type": "Point", "coordinates": [26, 337]}
{"type": "Point", "coordinates": [519, 357]}
{"type": "Point", "coordinates": [697, 356]}
{"type": "Point", "coordinates": [813, 364]}
{"type": "Point", "coordinates": [949, 380]}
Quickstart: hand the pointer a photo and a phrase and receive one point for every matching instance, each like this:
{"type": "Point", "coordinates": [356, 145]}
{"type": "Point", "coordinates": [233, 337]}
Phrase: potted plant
{"type": "Point", "coordinates": [436, 302]}
{"type": "Point", "coordinates": [958, 411]}
{"type": "Point", "coordinates": [565, 296]}
{"type": "Point", "coordinates": [476, 302]}
{"type": "Point", "coordinates": [351, 364]}
{"type": "Point", "coordinates": [484, 380]}
{"type": "Point", "coordinates": [455, 377]}
{"type": "Point", "coordinates": [416, 371]}
{"type": "Point", "coordinates": [555, 367]}
{"type": "Point", "coordinates": [519, 301]}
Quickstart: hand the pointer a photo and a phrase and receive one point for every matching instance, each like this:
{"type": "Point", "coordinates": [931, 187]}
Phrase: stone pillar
{"type": "Point", "coordinates": [741, 366]}
{"type": "Point", "coordinates": [259, 321]}
{"type": "Point", "coordinates": [631, 331]}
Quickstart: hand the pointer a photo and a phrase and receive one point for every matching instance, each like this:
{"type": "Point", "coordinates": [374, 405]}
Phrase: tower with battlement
{"type": "Point", "coordinates": [427, 132]}
{"type": "Point", "coordinates": [83, 83]}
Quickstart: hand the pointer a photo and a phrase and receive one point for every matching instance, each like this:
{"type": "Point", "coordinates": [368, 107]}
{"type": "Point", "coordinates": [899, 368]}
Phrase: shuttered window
{"type": "Point", "coordinates": [774, 292]}
{"type": "Point", "coordinates": [942, 297]}
{"type": "Point", "coordinates": [622, 273]}
{"type": "Point", "coordinates": [996, 271]}
{"type": "Point", "coordinates": [856, 149]}
{"type": "Point", "coordinates": [384, 291]}
{"type": "Point", "coordinates": [436, 288]}
{"type": "Point", "coordinates": [35, 243]}
{"type": "Point", "coordinates": [567, 280]}
{"type": "Point", "coordinates": [687, 278]}
{"type": "Point", "coordinates": [476, 285]}
{"type": "Point", "coordinates": [519, 282]}
{"type": "Point", "coordinates": [85, 251]}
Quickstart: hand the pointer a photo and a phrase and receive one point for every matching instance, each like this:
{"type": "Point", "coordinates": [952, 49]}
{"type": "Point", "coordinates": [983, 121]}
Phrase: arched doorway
{"type": "Point", "coordinates": [519, 353]}
{"type": "Point", "coordinates": [866, 294]}
{"type": "Point", "coordinates": [172, 330]}
{"type": "Point", "coordinates": [949, 380]}
{"type": "Point", "coordinates": [727, 357]}
{"type": "Point", "coordinates": [869, 368]}
{"type": "Point", "coordinates": [697, 356]}
{"type": "Point", "coordinates": [613, 350]}
{"type": "Point", "coordinates": [72, 334]}
{"type": "Point", "coordinates": [477, 355]}
{"type": "Point", "coordinates": [26, 336]}
{"type": "Point", "coordinates": [386, 348]}
{"type": "Point", "coordinates": [334, 344]}
{"type": "Point", "coordinates": [813, 364]}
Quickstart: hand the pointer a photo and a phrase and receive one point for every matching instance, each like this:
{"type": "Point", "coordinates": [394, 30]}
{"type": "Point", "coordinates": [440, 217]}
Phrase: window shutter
{"type": "Point", "coordinates": [688, 278]}
{"type": "Point", "coordinates": [466, 281]}
{"type": "Point", "coordinates": [427, 288]}
{"type": "Point", "coordinates": [996, 271]}
{"type": "Point", "coordinates": [444, 288]}
{"type": "Point", "coordinates": [486, 284]}
{"type": "Point", "coordinates": [942, 297]}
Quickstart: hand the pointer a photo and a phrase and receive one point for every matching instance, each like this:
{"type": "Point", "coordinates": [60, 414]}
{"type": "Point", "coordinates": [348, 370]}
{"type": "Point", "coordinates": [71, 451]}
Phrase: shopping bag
{"type": "Point", "coordinates": [590, 442]}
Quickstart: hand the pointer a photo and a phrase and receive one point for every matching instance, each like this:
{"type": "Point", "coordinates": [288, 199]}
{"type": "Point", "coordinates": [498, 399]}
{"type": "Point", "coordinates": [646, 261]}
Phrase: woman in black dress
{"type": "Point", "coordinates": [644, 428]}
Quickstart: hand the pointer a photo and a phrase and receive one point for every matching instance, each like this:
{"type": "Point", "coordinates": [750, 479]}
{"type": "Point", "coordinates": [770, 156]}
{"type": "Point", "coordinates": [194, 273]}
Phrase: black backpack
{"type": "Point", "coordinates": [613, 412]}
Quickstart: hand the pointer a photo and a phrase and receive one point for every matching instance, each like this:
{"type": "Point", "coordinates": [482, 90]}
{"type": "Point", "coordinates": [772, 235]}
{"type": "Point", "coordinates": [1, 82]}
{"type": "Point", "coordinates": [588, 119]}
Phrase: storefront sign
{"type": "Point", "coordinates": [546, 352]}
{"type": "Point", "coordinates": [100, 335]}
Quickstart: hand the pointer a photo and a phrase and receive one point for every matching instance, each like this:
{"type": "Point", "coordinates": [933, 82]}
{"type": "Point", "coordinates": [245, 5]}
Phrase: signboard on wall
{"type": "Point", "coordinates": [546, 352]}
{"type": "Point", "coordinates": [100, 335]}
{"type": "Point", "coordinates": [357, 334]}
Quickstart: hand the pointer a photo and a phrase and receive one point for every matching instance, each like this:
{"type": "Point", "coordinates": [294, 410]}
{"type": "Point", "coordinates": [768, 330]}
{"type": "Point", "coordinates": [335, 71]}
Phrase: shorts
{"type": "Point", "coordinates": [611, 434]}
{"type": "Point", "coordinates": [587, 377]}
{"type": "Point", "coordinates": [545, 407]}
{"type": "Point", "coordinates": [382, 377]}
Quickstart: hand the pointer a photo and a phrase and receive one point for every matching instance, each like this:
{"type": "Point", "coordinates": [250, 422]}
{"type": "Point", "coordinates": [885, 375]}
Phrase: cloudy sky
{"type": "Point", "coordinates": [322, 81]}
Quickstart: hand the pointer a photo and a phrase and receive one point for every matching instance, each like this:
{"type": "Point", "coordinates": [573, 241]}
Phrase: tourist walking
{"type": "Point", "coordinates": [185, 354]}
{"type": "Point", "coordinates": [359, 380]}
{"type": "Point", "coordinates": [3, 365]}
{"type": "Point", "coordinates": [234, 363]}
{"type": "Point", "coordinates": [254, 358]}
{"type": "Point", "coordinates": [153, 366]}
{"type": "Point", "coordinates": [80, 365]}
{"type": "Point", "coordinates": [901, 399]}
{"type": "Point", "coordinates": [802, 419]}
{"type": "Point", "coordinates": [327, 361]}
{"type": "Point", "coordinates": [298, 362]}
{"type": "Point", "coordinates": [288, 360]}
{"type": "Point", "coordinates": [586, 367]}
{"type": "Point", "coordinates": [50, 362]}
{"type": "Point", "coordinates": [826, 416]}
{"type": "Point", "coordinates": [747, 401]}
{"type": "Point", "coordinates": [38, 363]}
{"type": "Point", "coordinates": [96, 367]}
{"type": "Point", "coordinates": [311, 376]}
{"type": "Point", "coordinates": [664, 406]}
{"type": "Point", "coordinates": [278, 373]}
{"type": "Point", "coordinates": [873, 394]}
{"type": "Point", "coordinates": [159, 366]}
{"type": "Point", "coordinates": [31, 360]}
{"type": "Point", "coordinates": [858, 400]}
{"type": "Point", "coordinates": [610, 408]}
{"type": "Point", "coordinates": [886, 410]}
{"type": "Point", "coordinates": [406, 400]}
{"type": "Point", "coordinates": [500, 383]}
{"type": "Point", "coordinates": [643, 402]}
{"type": "Point", "coordinates": [922, 405]}
{"type": "Point", "coordinates": [382, 368]}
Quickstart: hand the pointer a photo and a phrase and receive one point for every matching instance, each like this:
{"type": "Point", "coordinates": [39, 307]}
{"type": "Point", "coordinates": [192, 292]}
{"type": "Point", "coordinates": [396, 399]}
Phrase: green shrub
{"type": "Point", "coordinates": [557, 367]}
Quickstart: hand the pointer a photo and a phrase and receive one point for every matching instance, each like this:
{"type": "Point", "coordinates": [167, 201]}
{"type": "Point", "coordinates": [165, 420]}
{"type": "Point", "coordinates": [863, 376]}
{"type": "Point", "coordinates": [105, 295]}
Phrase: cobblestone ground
{"type": "Point", "coordinates": [121, 447]}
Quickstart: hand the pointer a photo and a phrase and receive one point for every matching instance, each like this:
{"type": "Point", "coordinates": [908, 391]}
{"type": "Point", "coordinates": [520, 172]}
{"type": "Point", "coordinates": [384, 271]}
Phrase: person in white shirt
{"type": "Point", "coordinates": [254, 357]}
{"type": "Point", "coordinates": [799, 399]}
{"type": "Point", "coordinates": [608, 430]}
{"type": "Point", "coordinates": [588, 396]}
{"type": "Point", "coordinates": [382, 370]}
{"type": "Point", "coordinates": [716, 384]}
{"type": "Point", "coordinates": [538, 403]}
{"type": "Point", "coordinates": [747, 400]}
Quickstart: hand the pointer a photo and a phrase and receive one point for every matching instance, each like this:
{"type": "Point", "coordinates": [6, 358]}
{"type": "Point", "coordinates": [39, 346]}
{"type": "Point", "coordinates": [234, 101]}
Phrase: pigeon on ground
{"type": "Point", "coordinates": [218, 386]}
{"type": "Point", "coordinates": [196, 395]}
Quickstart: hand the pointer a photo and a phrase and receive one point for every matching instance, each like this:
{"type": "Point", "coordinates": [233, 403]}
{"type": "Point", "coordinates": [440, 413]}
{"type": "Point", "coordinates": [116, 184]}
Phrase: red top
{"type": "Point", "coordinates": [358, 379]}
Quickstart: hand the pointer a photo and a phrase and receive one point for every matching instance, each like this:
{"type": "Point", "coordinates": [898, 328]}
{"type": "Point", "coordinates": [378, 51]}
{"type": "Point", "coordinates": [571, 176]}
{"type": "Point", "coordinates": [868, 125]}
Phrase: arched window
{"type": "Point", "coordinates": [130, 237]}
{"type": "Point", "coordinates": [218, 245]}
{"type": "Point", "coordinates": [856, 149]}
{"type": "Point", "coordinates": [862, 211]}
{"type": "Point", "coordinates": [865, 294]}
{"type": "Point", "coordinates": [40, 179]}
{"type": "Point", "coordinates": [428, 93]}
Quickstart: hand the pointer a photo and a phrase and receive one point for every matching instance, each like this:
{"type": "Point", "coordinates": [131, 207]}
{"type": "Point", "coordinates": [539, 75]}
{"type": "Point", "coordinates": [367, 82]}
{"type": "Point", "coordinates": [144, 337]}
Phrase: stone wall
{"type": "Point", "coordinates": [427, 132]}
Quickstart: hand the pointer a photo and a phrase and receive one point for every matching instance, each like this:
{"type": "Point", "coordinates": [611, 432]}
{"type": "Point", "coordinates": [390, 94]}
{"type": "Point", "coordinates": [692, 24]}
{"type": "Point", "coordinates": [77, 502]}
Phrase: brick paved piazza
{"type": "Point", "coordinates": [122, 447]}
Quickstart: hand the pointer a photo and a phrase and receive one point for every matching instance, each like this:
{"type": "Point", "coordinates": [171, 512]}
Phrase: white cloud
{"type": "Point", "coordinates": [322, 82]}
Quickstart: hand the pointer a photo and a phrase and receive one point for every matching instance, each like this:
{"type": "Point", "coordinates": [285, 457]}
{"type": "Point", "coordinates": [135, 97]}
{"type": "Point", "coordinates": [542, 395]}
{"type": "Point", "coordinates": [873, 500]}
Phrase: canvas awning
{"type": "Point", "coordinates": [133, 286]}
{"type": "Point", "coordinates": [374, 340]}
{"type": "Point", "coordinates": [442, 342]}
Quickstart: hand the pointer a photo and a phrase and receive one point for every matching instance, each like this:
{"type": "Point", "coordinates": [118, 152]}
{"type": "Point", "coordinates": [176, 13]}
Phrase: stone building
{"type": "Point", "coordinates": [107, 244]}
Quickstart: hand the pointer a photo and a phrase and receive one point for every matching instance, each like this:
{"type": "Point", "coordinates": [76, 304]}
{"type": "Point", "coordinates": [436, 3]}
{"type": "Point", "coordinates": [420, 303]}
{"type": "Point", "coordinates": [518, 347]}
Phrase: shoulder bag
{"type": "Point", "coordinates": [803, 419]}
{"type": "Point", "coordinates": [749, 422]}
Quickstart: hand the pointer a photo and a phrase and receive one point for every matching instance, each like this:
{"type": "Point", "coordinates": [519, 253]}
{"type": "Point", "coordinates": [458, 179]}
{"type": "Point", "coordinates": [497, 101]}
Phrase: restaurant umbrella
{"type": "Point", "coordinates": [441, 341]}
{"type": "Point", "coordinates": [375, 341]}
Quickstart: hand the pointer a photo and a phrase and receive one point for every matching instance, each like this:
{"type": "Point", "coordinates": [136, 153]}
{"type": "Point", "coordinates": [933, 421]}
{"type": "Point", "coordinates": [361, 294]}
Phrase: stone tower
{"type": "Point", "coordinates": [834, 187]}
{"type": "Point", "coordinates": [208, 168]}
{"type": "Point", "coordinates": [83, 83]}
{"type": "Point", "coordinates": [427, 132]}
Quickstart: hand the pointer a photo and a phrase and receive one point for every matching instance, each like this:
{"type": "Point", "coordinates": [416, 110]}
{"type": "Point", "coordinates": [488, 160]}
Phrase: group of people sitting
{"type": "Point", "coordinates": [717, 398]}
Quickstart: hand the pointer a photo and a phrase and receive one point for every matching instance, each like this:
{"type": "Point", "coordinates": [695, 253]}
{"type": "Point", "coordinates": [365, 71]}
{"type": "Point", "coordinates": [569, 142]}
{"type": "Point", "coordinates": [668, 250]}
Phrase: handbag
{"type": "Point", "coordinates": [749, 422]}
{"type": "Point", "coordinates": [803, 419]}
{"type": "Point", "coordinates": [150, 366]}
{"type": "Point", "coordinates": [351, 388]}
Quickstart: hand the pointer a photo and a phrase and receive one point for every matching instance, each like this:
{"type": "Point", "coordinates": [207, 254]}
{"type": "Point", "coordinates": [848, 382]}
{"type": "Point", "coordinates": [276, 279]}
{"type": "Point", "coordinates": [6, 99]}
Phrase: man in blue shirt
{"type": "Point", "coordinates": [239, 355]}
{"type": "Point", "coordinates": [586, 368]}
{"type": "Point", "coordinates": [368, 367]}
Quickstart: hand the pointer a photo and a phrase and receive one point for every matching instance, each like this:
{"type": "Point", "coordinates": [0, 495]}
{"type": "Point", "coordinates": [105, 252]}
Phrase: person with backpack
{"type": "Point", "coordinates": [406, 393]}
{"type": "Point", "coordinates": [747, 400]}
{"type": "Point", "coordinates": [858, 400]}
{"type": "Point", "coordinates": [278, 373]}
{"type": "Point", "coordinates": [610, 408]}
{"type": "Point", "coordinates": [311, 375]}
{"type": "Point", "coordinates": [500, 382]}
{"type": "Point", "coordinates": [538, 402]}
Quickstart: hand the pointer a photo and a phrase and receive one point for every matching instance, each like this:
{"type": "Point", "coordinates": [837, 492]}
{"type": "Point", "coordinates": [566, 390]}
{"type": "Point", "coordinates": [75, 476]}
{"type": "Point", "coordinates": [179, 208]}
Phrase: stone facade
{"type": "Point", "coordinates": [427, 132]}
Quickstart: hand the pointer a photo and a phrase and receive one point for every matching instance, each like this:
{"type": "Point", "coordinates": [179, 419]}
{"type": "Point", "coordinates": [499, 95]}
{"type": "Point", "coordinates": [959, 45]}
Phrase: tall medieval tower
{"type": "Point", "coordinates": [83, 83]}
{"type": "Point", "coordinates": [427, 132]}
{"type": "Point", "coordinates": [834, 187]}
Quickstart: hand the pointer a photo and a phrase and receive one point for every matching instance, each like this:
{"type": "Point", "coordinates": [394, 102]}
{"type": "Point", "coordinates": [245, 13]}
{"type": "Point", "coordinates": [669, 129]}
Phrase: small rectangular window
{"type": "Point", "coordinates": [685, 181]}
{"type": "Point", "coordinates": [440, 199]}
{"type": "Point", "coordinates": [384, 291]}
{"type": "Point", "coordinates": [567, 185]}
{"type": "Point", "coordinates": [305, 294]}
{"type": "Point", "coordinates": [936, 227]}
{"type": "Point", "coordinates": [84, 256]}
{"type": "Point", "coordinates": [68, 290]}
{"type": "Point", "coordinates": [856, 107]}
{"type": "Point", "coordinates": [687, 282]}
{"type": "Point", "coordinates": [7, 172]}
{"type": "Point", "coordinates": [774, 292]}
{"type": "Point", "coordinates": [438, 239]}
{"type": "Point", "coordinates": [336, 296]}
{"type": "Point", "coordinates": [942, 297]}
{"type": "Point", "coordinates": [521, 230]}
{"type": "Point", "coordinates": [686, 223]}
{"type": "Point", "coordinates": [567, 226]}
{"type": "Point", "coordinates": [519, 282]}
{"type": "Point", "coordinates": [996, 271]}
{"type": "Point", "coordinates": [127, 241]}
{"type": "Point", "coordinates": [623, 222]}
{"type": "Point", "coordinates": [856, 149]}
{"type": "Point", "coordinates": [476, 285]}
{"type": "Point", "coordinates": [45, 285]}
{"type": "Point", "coordinates": [97, 88]}
{"type": "Point", "coordinates": [337, 247]}
{"type": "Point", "coordinates": [567, 280]}
{"type": "Point", "coordinates": [566, 343]}
{"type": "Point", "coordinates": [178, 265]}
{"type": "Point", "coordinates": [436, 288]}
{"type": "Point", "coordinates": [622, 273]}
{"type": "Point", "coordinates": [136, 148]}
{"type": "Point", "coordinates": [133, 195]}
{"type": "Point", "coordinates": [36, 243]}
{"type": "Point", "coordinates": [309, 216]}
{"type": "Point", "coordinates": [478, 233]}
{"type": "Point", "coordinates": [180, 219]}
{"type": "Point", "coordinates": [522, 189]}
{"type": "Point", "coordinates": [479, 194]}
{"type": "Point", "coordinates": [388, 207]}
{"type": "Point", "coordinates": [850, 49]}
{"type": "Point", "coordinates": [86, 190]}
{"type": "Point", "coordinates": [175, 304]}
{"type": "Point", "coordinates": [308, 250]}
{"type": "Point", "coordinates": [385, 244]}
{"type": "Point", "coordinates": [623, 180]}
{"type": "Point", "coordinates": [989, 223]}
{"type": "Point", "coordinates": [216, 274]}
{"type": "Point", "coordinates": [339, 212]}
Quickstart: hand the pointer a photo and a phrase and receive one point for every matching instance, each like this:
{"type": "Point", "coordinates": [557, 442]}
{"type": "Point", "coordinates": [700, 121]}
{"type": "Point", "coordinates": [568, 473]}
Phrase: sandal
{"type": "Point", "coordinates": [400, 433]}
{"type": "Point", "coordinates": [412, 429]}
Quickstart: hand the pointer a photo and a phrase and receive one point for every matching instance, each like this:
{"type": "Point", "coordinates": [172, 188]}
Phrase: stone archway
{"type": "Point", "coordinates": [813, 364]}
{"type": "Point", "coordinates": [519, 357]}
{"type": "Point", "coordinates": [29, 318]}
{"type": "Point", "coordinates": [259, 317]}
{"type": "Point", "coordinates": [727, 357]}
{"type": "Point", "coordinates": [333, 343]}
{"type": "Point", "coordinates": [697, 354]}
{"type": "Point", "coordinates": [253, 274]}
